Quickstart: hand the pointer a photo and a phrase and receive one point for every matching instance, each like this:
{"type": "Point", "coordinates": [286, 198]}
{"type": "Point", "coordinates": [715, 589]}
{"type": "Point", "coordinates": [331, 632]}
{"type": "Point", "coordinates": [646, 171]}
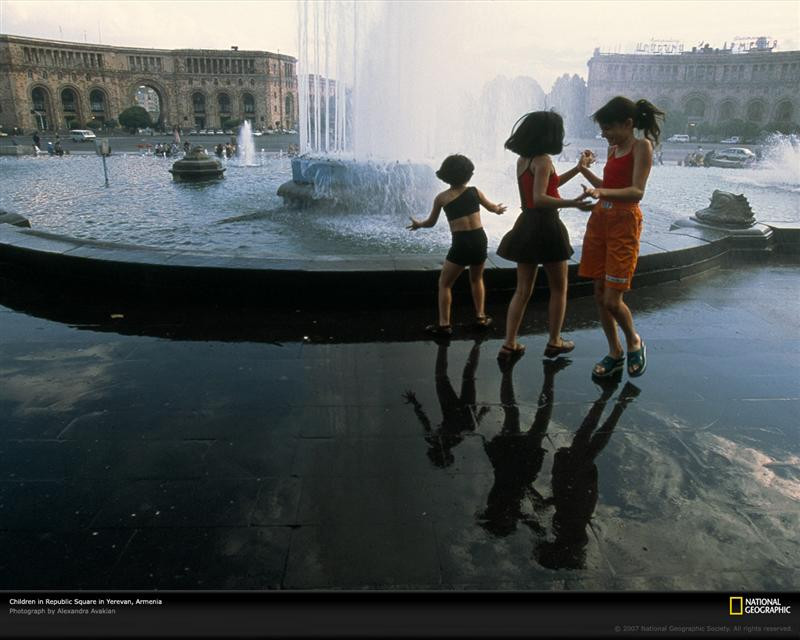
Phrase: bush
{"type": "Point", "coordinates": [134, 118]}
{"type": "Point", "coordinates": [94, 124]}
{"type": "Point", "coordinates": [110, 124]}
{"type": "Point", "coordinates": [674, 122]}
{"type": "Point", "coordinates": [231, 124]}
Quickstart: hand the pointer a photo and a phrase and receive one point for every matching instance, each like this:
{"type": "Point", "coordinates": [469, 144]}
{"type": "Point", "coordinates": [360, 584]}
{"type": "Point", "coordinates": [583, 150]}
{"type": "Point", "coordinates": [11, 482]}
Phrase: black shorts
{"type": "Point", "coordinates": [468, 247]}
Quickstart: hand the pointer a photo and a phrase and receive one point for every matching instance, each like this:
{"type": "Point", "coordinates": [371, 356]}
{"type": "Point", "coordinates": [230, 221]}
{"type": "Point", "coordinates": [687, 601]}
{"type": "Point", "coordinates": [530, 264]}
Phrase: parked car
{"type": "Point", "coordinates": [732, 140]}
{"type": "Point", "coordinates": [734, 158]}
{"type": "Point", "coordinates": [258, 132]}
{"type": "Point", "coordinates": [678, 137]}
{"type": "Point", "coordinates": [192, 132]}
{"type": "Point", "coordinates": [219, 132]}
{"type": "Point", "coordinates": [82, 135]}
{"type": "Point", "coordinates": [202, 132]}
{"type": "Point", "coordinates": [228, 132]}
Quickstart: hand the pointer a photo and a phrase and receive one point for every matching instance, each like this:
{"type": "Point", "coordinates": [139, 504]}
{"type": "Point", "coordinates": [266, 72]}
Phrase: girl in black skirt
{"type": "Point", "coordinates": [462, 206]}
{"type": "Point", "coordinates": [539, 236]}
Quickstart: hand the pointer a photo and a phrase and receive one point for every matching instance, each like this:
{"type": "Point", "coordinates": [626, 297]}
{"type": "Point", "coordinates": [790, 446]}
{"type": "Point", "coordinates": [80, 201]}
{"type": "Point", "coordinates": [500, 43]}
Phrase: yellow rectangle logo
{"type": "Point", "coordinates": [737, 605]}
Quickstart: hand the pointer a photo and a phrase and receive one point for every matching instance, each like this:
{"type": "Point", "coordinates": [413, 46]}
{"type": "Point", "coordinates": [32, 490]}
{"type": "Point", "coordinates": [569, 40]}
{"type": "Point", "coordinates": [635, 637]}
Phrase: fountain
{"type": "Point", "coordinates": [245, 146]}
{"type": "Point", "coordinates": [196, 166]}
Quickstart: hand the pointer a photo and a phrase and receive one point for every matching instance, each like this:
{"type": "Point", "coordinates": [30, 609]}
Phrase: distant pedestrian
{"type": "Point", "coordinates": [186, 147]}
{"type": "Point", "coordinates": [37, 142]}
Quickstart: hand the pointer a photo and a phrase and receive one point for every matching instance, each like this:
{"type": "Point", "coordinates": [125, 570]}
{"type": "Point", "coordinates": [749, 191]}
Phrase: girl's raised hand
{"type": "Point", "coordinates": [586, 159]}
{"type": "Point", "coordinates": [500, 208]}
{"type": "Point", "coordinates": [415, 224]}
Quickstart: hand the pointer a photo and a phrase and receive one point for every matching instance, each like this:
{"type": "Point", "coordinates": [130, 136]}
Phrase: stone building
{"type": "Point", "coordinates": [759, 84]}
{"type": "Point", "coordinates": [48, 84]}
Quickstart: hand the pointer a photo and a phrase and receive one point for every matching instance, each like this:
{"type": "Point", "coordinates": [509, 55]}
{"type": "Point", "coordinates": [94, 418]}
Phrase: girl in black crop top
{"type": "Point", "coordinates": [462, 206]}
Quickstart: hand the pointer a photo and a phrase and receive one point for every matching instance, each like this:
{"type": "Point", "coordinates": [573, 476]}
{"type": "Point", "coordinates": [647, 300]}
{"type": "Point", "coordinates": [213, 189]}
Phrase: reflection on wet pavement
{"type": "Point", "coordinates": [237, 454]}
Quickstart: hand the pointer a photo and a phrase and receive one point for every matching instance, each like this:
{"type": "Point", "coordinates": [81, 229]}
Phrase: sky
{"type": "Point", "coordinates": [540, 39]}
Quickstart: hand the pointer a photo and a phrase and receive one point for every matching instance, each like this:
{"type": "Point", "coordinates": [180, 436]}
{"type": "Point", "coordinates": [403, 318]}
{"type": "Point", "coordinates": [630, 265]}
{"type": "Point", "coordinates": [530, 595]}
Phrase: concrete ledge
{"type": "Point", "coordinates": [142, 274]}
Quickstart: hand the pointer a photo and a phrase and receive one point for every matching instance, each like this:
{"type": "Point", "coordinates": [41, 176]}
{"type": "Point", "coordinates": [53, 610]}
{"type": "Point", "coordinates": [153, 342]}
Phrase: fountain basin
{"type": "Point", "coordinates": [197, 165]}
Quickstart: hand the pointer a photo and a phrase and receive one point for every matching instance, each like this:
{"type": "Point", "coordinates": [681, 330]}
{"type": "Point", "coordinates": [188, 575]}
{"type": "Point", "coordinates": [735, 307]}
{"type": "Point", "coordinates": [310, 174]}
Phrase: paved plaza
{"type": "Point", "coordinates": [203, 449]}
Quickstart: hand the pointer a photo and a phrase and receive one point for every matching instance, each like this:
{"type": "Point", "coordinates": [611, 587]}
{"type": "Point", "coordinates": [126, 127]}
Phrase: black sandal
{"type": "Point", "coordinates": [553, 351]}
{"type": "Point", "coordinates": [509, 355]}
{"type": "Point", "coordinates": [439, 330]}
{"type": "Point", "coordinates": [483, 322]}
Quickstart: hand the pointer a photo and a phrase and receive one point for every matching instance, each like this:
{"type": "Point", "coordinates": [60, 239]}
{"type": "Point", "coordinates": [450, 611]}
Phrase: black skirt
{"type": "Point", "coordinates": [537, 237]}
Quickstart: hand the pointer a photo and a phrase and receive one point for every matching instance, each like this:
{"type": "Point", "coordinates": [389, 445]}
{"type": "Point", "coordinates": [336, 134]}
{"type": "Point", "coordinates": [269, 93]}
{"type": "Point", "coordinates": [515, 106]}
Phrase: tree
{"type": "Point", "coordinates": [110, 124]}
{"type": "Point", "coordinates": [134, 118]}
{"type": "Point", "coordinates": [94, 124]}
{"type": "Point", "coordinates": [232, 123]}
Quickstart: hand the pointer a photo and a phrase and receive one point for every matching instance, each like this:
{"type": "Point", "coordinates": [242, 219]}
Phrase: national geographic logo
{"type": "Point", "coordinates": [739, 605]}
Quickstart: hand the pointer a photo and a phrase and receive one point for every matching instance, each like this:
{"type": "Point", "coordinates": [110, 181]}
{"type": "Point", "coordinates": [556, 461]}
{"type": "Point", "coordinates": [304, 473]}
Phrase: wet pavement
{"type": "Point", "coordinates": [303, 450]}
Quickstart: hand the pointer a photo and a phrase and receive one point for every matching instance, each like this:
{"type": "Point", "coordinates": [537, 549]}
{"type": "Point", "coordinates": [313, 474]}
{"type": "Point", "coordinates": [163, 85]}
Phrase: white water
{"type": "Point", "coordinates": [246, 147]}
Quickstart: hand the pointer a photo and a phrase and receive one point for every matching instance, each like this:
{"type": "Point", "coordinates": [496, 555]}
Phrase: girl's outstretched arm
{"type": "Point", "coordinates": [642, 163]}
{"type": "Point", "coordinates": [542, 165]}
{"type": "Point", "coordinates": [587, 173]}
{"type": "Point", "coordinates": [584, 160]}
{"type": "Point", "coordinates": [487, 204]}
{"type": "Point", "coordinates": [432, 218]}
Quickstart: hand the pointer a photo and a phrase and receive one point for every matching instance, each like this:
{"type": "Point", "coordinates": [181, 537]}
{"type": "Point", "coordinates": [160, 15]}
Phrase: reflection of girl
{"type": "Point", "coordinates": [539, 236]}
{"type": "Point", "coordinates": [611, 242]}
{"type": "Point", "coordinates": [462, 206]}
{"type": "Point", "coordinates": [517, 457]}
{"type": "Point", "coordinates": [575, 482]}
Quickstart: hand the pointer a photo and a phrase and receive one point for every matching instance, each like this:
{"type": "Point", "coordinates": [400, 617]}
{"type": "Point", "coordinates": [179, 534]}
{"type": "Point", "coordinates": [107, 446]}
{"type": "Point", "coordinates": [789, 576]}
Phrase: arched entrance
{"type": "Point", "coordinates": [70, 106]}
{"type": "Point", "coordinates": [151, 100]}
{"type": "Point", "coordinates": [248, 107]}
{"type": "Point", "coordinates": [727, 111]}
{"type": "Point", "coordinates": [224, 104]}
{"type": "Point", "coordinates": [98, 104]}
{"type": "Point", "coordinates": [199, 109]}
{"type": "Point", "coordinates": [288, 113]}
{"type": "Point", "coordinates": [41, 110]}
{"type": "Point", "coordinates": [784, 112]}
{"type": "Point", "coordinates": [755, 111]}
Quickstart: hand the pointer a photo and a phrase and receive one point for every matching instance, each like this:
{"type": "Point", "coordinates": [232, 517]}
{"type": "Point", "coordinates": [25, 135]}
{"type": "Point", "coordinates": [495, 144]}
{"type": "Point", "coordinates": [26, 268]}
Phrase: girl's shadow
{"type": "Point", "coordinates": [460, 415]}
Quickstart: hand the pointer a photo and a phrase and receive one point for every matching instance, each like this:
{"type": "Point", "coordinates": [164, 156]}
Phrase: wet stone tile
{"type": "Point", "coordinates": [251, 457]}
{"type": "Point", "coordinates": [278, 502]}
{"type": "Point", "coordinates": [202, 558]}
{"type": "Point", "coordinates": [339, 556]}
{"type": "Point", "coordinates": [49, 560]}
{"type": "Point", "coordinates": [49, 505]}
{"type": "Point", "coordinates": [209, 503]}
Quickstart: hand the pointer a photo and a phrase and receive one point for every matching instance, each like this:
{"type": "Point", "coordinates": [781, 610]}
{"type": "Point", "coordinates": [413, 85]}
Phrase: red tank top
{"type": "Point", "coordinates": [525, 182]}
{"type": "Point", "coordinates": [618, 172]}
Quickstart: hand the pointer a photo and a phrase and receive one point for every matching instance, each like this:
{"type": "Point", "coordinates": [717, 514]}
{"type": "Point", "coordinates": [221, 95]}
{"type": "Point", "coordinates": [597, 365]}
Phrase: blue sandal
{"type": "Point", "coordinates": [637, 358]}
{"type": "Point", "coordinates": [610, 366]}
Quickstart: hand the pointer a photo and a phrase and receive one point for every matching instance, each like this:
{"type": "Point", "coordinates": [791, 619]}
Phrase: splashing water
{"type": "Point", "coordinates": [245, 146]}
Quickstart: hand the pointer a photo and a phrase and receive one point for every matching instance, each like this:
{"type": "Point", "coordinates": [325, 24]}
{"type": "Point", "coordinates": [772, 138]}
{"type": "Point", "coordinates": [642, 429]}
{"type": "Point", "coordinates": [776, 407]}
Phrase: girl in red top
{"type": "Point", "coordinates": [539, 236]}
{"type": "Point", "coordinates": [611, 242]}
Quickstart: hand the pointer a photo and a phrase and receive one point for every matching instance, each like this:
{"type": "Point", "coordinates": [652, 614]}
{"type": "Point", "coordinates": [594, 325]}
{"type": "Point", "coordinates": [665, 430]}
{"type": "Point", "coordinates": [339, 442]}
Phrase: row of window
{"type": "Point", "coordinates": [220, 65]}
{"type": "Point", "coordinates": [145, 63]}
{"type": "Point", "coordinates": [62, 58]}
{"type": "Point", "coordinates": [755, 111]}
{"type": "Point", "coordinates": [704, 72]}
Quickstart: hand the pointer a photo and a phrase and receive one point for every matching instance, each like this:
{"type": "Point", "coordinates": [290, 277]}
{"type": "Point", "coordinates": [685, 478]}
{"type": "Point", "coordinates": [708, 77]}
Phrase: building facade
{"type": "Point", "coordinates": [50, 85]}
{"type": "Point", "coordinates": [708, 85]}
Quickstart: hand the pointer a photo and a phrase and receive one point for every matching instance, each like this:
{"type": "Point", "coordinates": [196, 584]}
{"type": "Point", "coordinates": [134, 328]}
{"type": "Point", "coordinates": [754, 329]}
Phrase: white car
{"type": "Point", "coordinates": [258, 133]}
{"type": "Point", "coordinates": [228, 132]}
{"type": "Point", "coordinates": [732, 140]}
{"type": "Point", "coordinates": [193, 132]}
{"type": "Point", "coordinates": [678, 137]}
{"type": "Point", "coordinates": [82, 135]}
{"type": "Point", "coordinates": [202, 132]}
{"type": "Point", "coordinates": [736, 153]}
{"type": "Point", "coordinates": [219, 132]}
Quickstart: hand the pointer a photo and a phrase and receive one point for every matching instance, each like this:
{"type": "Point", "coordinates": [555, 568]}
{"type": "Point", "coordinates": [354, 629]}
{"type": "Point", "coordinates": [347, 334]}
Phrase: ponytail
{"type": "Point", "coordinates": [646, 119]}
{"type": "Point", "coordinates": [643, 114]}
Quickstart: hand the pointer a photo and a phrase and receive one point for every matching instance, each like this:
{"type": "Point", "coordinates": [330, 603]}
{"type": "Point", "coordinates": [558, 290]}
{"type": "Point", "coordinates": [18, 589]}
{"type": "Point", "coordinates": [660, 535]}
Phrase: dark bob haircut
{"type": "Point", "coordinates": [642, 113]}
{"type": "Point", "coordinates": [455, 170]}
{"type": "Point", "coordinates": [536, 133]}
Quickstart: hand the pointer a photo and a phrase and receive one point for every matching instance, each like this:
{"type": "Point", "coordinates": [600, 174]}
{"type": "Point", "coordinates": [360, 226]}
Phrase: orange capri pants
{"type": "Point", "coordinates": [611, 243]}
